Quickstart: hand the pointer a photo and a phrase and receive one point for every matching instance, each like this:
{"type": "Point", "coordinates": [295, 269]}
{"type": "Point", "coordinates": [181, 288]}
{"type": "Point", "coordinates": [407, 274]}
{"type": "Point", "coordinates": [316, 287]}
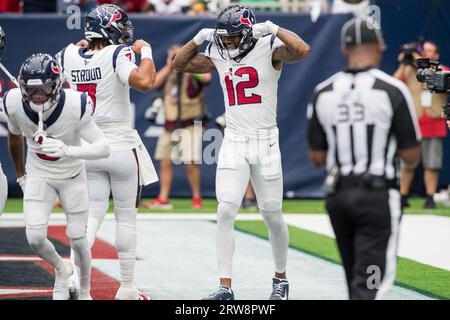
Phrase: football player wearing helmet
{"type": "Point", "coordinates": [3, 180]}
{"type": "Point", "coordinates": [248, 57]}
{"type": "Point", "coordinates": [54, 164]}
{"type": "Point", "coordinates": [106, 70]}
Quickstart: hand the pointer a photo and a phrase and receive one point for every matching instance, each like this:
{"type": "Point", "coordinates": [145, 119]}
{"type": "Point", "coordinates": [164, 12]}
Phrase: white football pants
{"type": "Point", "coordinates": [256, 157]}
{"type": "Point", "coordinates": [39, 198]}
{"type": "Point", "coordinates": [119, 174]}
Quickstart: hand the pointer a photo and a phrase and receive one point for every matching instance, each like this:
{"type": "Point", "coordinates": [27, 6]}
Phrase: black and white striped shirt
{"type": "Point", "coordinates": [361, 118]}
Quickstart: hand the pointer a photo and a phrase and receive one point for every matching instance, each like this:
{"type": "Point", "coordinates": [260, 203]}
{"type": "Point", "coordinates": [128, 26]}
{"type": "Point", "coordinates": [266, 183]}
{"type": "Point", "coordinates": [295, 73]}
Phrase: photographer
{"type": "Point", "coordinates": [428, 109]}
{"type": "Point", "coordinates": [183, 95]}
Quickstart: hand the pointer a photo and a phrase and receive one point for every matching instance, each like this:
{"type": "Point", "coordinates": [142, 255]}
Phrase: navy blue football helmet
{"type": "Point", "coordinates": [235, 20]}
{"type": "Point", "coordinates": [40, 82]}
{"type": "Point", "coordinates": [108, 22]}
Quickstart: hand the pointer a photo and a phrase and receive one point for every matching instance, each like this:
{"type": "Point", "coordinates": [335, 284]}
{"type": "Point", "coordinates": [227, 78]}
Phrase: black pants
{"type": "Point", "coordinates": [366, 223]}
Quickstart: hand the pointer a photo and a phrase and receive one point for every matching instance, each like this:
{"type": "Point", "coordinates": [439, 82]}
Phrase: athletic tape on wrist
{"type": "Point", "coordinates": [146, 52]}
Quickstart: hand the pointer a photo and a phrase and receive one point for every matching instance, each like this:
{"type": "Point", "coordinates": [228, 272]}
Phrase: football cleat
{"type": "Point", "coordinates": [223, 293]}
{"type": "Point", "coordinates": [280, 289]}
{"type": "Point", "coordinates": [74, 284]}
{"type": "Point", "coordinates": [61, 287]}
{"type": "Point", "coordinates": [130, 294]}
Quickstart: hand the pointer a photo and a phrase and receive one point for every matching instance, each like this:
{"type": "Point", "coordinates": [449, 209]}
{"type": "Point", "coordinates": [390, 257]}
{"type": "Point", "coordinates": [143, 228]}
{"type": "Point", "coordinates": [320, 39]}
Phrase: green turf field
{"type": "Point", "coordinates": [289, 206]}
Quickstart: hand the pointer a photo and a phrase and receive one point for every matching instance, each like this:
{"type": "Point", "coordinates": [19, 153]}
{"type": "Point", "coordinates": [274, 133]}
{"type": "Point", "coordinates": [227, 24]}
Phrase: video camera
{"type": "Point", "coordinates": [436, 80]}
{"type": "Point", "coordinates": [408, 49]}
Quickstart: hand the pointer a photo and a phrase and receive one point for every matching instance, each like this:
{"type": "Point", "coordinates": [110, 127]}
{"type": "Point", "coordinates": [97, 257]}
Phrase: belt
{"type": "Point", "coordinates": [367, 181]}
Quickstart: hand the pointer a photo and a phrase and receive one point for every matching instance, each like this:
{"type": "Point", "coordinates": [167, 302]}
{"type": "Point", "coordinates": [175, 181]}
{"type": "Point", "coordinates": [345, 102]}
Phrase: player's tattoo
{"type": "Point", "coordinates": [188, 60]}
{"type": "Point", "coordinates": [294, 49]}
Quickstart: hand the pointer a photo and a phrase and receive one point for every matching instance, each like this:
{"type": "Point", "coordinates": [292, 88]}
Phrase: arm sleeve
{"type": "Point", "coordinates": [97, 147]}
{"type": "Point", "coordinates": [317, 138]}
{"type": "Point", "coordinates": [404, 122]}
{"type": "Point", "coordinates": [124, 63]}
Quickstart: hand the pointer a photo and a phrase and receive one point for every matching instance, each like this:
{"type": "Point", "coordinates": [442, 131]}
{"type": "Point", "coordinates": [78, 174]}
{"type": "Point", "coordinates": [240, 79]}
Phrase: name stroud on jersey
{"type": "Point", "coordinates": [86, 75]}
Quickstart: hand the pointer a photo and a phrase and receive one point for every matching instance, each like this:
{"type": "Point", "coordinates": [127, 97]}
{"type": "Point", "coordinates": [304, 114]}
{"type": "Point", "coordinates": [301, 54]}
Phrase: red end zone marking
{"type": "Point", "coordinates": [103, 287]}
{"type": "Point", "coordinates": [101, 249]}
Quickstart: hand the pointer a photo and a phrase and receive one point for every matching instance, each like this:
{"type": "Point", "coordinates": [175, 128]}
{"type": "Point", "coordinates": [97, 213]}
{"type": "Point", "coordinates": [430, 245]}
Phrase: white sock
{"type": "Point", "coordinates": [278, 237]}
{"type": "Point", "coordinates": [82, 254]}
{"type": "Point", "coordinates": [225, 245]}
{"type": "Point", "coordinates": [126, 239]}
{"type": "Point", "coordinates": [37, 238]}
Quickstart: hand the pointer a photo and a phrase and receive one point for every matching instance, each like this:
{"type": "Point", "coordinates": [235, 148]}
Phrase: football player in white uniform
{"type": "Point", "coordinates": [3, 181]}
{"type": "Point", "coordinates": [248, 58]}
{"type": "Point", "coordinates": [53, 122]}
{"type": "Point", "coordinates": [106, 70]}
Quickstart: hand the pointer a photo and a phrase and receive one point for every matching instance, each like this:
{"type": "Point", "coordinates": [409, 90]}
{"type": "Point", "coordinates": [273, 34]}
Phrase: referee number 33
{"type": "Point", "coordinates": [353, 112]}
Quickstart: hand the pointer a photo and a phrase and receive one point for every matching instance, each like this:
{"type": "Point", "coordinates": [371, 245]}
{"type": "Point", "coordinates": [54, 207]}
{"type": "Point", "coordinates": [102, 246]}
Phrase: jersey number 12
{"type": "Point", "coordinates": [252, 82]}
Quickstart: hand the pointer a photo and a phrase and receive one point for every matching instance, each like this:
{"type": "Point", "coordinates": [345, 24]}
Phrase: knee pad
{"type": "Point", "coordinates": [76, 225]}
{"type": "Point", "coordinates": [80, 243]}
{"type": "Point", "coordinates": [98, 214]}
{"type": "Point", "coordinates": [226, 214]}
{"type": "Point", "coordinates": [36, 237]}
{"type": "Point", "coordinates": [270, 206]}
{"type": "Point", "coordinates": [229, 198]}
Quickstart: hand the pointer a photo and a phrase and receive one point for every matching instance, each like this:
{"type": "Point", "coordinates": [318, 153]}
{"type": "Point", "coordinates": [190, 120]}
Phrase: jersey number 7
{"type": "Point", "coordinates": [252, 82]}
{"type": "Point", "coordinates": [90, 89]}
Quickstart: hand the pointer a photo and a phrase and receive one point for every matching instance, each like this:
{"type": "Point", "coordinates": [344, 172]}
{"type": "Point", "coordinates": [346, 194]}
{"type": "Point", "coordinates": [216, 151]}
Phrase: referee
{"type": "Point", "coordinates": [360, 120]}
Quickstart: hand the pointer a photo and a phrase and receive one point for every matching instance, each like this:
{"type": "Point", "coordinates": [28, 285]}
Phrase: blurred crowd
{"type": "Point", "coordinates": [190, 7]}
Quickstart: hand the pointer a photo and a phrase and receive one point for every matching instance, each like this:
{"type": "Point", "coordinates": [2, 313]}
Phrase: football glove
{"type": "Point", "coordinates": [203, 35]}
{"type": "Point", "coordinates": [261, 29]}
{"type": "Point", "coordinates": [21, 181]}
{"type": "Point", "coordinates": [55, 148]}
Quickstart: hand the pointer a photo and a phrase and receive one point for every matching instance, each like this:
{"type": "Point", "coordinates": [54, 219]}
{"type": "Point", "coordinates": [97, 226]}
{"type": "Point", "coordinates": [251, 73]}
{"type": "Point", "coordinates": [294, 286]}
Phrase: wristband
{"type": "Point", "coordinates": [197, 76]}
{"type": "Point", "coordinates": [146, 53]}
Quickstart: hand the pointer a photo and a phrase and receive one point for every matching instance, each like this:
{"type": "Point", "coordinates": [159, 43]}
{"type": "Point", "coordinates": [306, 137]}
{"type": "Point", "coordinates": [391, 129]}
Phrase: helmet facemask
{"type": "Point", "coordinates": [41, 96]}
{"type": "Point", "coordinates": [241, 47]}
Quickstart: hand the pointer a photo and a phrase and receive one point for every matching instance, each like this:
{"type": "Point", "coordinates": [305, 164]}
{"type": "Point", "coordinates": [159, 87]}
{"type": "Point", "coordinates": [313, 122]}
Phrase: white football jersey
{"type": "Point", "coordinates": [63, 122]}
{"type": "Point", "coordinates": [249, 86]}
{"type": "Point", "coordinates": [104, 76]}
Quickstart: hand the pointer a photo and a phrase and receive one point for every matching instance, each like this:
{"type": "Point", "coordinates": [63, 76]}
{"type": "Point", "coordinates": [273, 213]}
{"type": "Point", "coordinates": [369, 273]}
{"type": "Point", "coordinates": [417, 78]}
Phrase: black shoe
{"type": "Point", "coordinates": [429, 204]}
{"type": "Point", "coordinates": [405, 202]}
{"type": "Point", "coordinates": [280, 289]}
{"type": "Point", "coordinates": [223, 293]}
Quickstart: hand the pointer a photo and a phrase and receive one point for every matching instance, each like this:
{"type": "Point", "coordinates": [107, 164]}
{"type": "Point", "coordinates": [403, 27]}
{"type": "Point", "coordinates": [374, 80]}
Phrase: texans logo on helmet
{"type": "Point", "coordinates": [245, 18]}
{"type": "Point", "coordinates": [55, 69]}
{"type": "Point", "coordinates": [107, 22]}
